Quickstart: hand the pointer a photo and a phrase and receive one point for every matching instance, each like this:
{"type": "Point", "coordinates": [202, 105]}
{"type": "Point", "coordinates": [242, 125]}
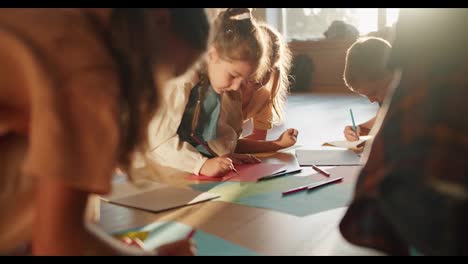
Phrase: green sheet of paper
{"type": "Point", "coordinates": [207, 245]}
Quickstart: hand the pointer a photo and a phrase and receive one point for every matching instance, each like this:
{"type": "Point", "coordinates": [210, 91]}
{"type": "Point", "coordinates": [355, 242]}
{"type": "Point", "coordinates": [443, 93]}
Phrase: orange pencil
{"type": "Point", "coordinates": [320, 171]}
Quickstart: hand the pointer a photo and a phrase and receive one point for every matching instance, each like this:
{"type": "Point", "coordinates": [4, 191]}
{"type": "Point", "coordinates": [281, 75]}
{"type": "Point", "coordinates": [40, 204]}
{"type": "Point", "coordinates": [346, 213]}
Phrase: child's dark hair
{"type": "Point", "coordinates": [183, 21]}
{"type": "Point", "coordinates": [134, 41]}
{"type": "Point", "coordinates": [280, 63]}
{"type": "Point", "coordinates": [366, 59]}
{"type": "Point", "coordinates": [236, 36]}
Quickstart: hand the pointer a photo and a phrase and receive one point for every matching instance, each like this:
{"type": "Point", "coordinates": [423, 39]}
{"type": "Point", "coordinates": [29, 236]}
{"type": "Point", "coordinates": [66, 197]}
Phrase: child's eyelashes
{"type": "Point", "coordinates": [235, 78]}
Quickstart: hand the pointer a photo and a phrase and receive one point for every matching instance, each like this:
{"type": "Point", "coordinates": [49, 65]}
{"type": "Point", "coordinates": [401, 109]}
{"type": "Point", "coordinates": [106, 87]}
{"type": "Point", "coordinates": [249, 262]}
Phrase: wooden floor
{"type": "Point", "coordinates": [318, 118]}
{"type": "Point", "coordinates": [321, 118]}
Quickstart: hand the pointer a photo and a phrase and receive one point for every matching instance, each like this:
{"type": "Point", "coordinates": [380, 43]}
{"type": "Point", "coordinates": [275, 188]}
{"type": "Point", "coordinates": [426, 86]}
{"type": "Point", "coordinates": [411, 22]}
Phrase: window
{"type": "Point", "coordinates": [311, 23]}
{"type": "Point", "coordinates": [392, 15]}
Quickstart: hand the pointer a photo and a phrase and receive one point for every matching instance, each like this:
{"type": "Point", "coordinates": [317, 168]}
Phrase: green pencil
{"type": "Point", "coordinates": [352, 118]}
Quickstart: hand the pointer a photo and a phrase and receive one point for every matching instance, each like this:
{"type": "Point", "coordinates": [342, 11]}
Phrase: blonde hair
{"type": "Point", "coordinates": [366, 59]}
{"type": "Point", "coordinates": [280, 64]}
{"type": "Point", "coordinates": [236, 36]}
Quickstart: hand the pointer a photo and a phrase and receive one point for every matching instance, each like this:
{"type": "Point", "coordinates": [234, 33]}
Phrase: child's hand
{"type": "Point", "coordinates": [217, 167]}
{"type": "Point", "coordinates": [243, 158]}
{"type": "Point", "coordinates": [288, 138]}
{"type": "Point", "coordinates": [350, 135]}
{"type": "Point", "coordinates": [184, 247]}
{"type": "Point", "coordinates": [136, 242]}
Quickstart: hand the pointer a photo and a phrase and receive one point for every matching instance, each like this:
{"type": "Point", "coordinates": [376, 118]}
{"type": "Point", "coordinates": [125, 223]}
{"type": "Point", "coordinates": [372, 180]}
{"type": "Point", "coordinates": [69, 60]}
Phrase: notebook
{"type": "Point", "coordinates": [307, 157]}
{"type": "Point", "coordinates": [348, 144]}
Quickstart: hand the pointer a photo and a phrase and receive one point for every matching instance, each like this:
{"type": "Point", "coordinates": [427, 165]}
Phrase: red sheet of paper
{"type": "Point", "coordinates": [247, 173]}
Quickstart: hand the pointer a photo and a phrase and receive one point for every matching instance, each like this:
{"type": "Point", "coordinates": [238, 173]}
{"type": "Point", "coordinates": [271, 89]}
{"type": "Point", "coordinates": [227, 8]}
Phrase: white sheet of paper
{"type": "Point", "coordinates": [307, 157]}
{"type": "Point", "coordinates": [347, 144]}
{"type": "Point", "coordinates": [154, 197]}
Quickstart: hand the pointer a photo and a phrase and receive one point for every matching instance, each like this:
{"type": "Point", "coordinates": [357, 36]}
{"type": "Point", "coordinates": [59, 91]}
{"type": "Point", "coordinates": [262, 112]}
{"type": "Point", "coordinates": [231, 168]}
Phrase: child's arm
{"type": "Point", "coordinates": [177, 154]}
{"type": "Point", "coordinates": [287, 139]}
{"type": "Point", "coordinates": [166, 147]}
{"type": "Point", "coordinates": [367, 126]}
{"type": "Point", "coordinates": [256, 142]}
{"type": "Point", "coordinates": [181, 155]}
{"type": "Point", "coordinates": [257, 134]}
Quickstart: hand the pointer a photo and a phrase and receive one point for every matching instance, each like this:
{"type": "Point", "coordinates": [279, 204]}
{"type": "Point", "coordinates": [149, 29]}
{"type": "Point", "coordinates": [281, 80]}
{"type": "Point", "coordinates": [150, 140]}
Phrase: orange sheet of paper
{"type": "Point", "coordinates": [247, 173]}
{"type": "Point", "coordinates": [140, 235]}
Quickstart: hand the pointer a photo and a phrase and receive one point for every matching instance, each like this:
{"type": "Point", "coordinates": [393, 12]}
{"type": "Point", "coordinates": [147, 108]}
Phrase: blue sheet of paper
{"type": "Point", "coordinates": [303, 203]}
{"type": "Point", "coordinates": [268, 194]}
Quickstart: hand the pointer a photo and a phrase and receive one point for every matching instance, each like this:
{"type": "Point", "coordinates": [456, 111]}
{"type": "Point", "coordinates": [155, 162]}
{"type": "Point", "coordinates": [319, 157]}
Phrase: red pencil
{"type": "Point", "coordinates": [320, 171]}
{"type": "Point", "coordinates": [296, 190]}
{"type": "Point", "coordinates": [191, 234]}
{"type": "Point", "coordinates": [311, 186]}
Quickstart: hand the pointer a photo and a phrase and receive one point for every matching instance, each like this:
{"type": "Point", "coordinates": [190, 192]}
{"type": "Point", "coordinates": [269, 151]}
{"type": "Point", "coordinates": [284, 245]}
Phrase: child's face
{"type": "Point", "coordinates": [227, 75]}
{"type": "Point", "coordinates": [374, 90]}
{"type": "Point", "coordinates": [249, 86]}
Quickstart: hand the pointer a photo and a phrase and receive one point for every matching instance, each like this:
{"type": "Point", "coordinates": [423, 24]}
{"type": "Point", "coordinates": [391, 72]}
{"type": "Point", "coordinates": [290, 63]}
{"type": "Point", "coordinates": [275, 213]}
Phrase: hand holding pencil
{"type": "Point", "coordinates": [217, 167]}
{"type": "Point", "coordinates": [352, 133]}
{"type": "Point", "coordinates": [220, 166]}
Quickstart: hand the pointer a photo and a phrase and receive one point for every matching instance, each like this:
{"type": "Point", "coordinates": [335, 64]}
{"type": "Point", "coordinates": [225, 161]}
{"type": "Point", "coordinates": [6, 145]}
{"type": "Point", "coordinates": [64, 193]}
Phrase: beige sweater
{"type": "Point", "coordinates": [167, 149]}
